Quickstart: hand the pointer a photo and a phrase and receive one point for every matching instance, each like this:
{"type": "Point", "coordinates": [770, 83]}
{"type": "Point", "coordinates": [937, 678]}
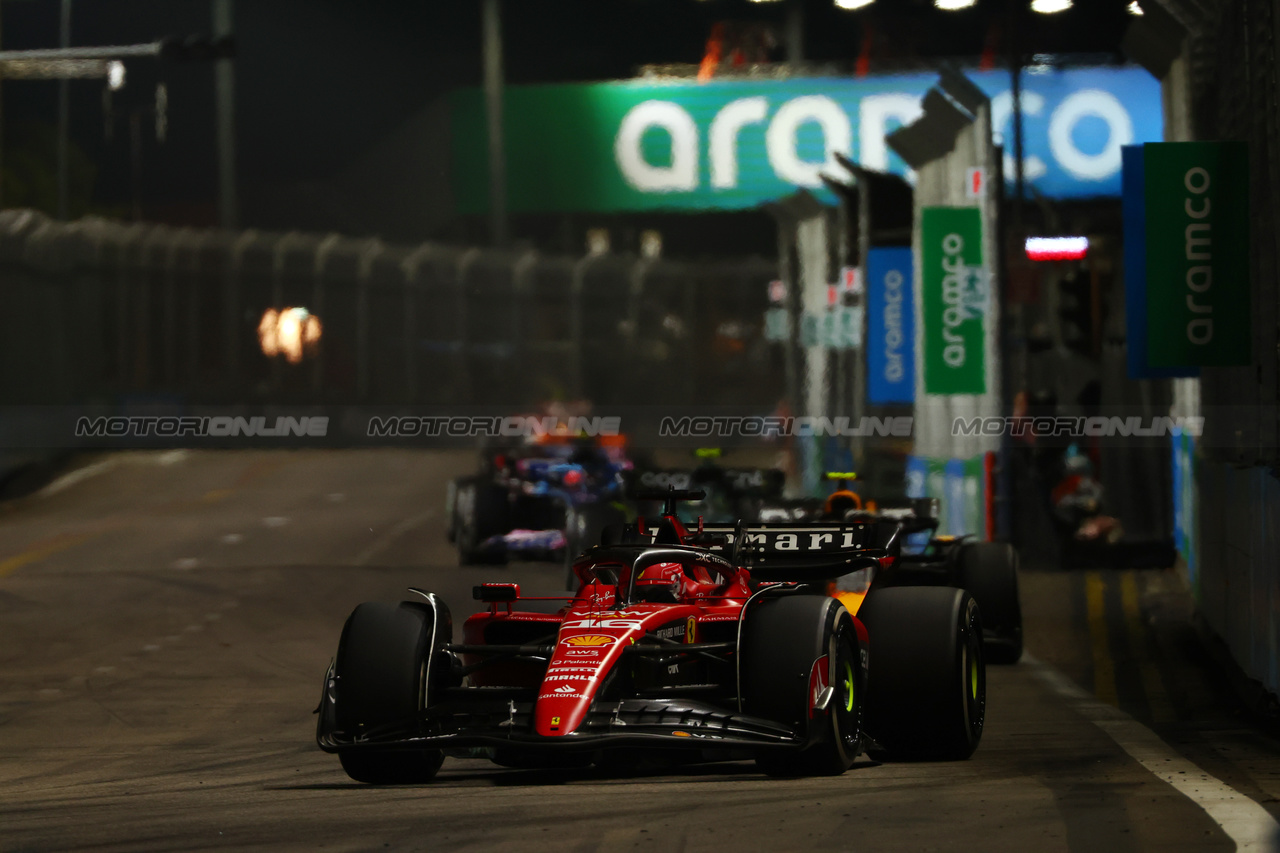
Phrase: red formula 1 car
{"type": "Point", "coordinates": [721, 643]}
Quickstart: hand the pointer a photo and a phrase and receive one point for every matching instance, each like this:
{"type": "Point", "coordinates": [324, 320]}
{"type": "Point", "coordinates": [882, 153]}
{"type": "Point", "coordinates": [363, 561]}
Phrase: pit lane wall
{"type": "Point", "coordinates": [1222, 84]}
{"type": "Point", "coordinates": [1227, 529]}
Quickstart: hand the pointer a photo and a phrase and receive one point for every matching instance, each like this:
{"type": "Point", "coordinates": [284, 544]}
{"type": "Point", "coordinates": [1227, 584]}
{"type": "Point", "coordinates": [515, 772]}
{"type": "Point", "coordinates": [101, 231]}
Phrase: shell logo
{"type": "Point", "coordinates": [589, 640]}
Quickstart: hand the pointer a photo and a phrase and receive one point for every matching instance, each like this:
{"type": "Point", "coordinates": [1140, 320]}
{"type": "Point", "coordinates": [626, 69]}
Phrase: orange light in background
{"type": "Point", "coordinates": [291, 332]}
{"type": "Point", "coordinates": [267, 333]}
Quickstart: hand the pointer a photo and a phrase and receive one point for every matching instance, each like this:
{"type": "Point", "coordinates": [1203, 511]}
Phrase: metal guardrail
{"type": "Point", "coordinates": [102, 311]}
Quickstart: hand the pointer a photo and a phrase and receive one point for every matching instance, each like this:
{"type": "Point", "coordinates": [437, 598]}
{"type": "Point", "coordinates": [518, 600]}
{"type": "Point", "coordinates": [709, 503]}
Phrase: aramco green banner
{"type": "Point", "coordinates": [1197, 253]}
{"type": "Point", "coordinates": [956, 296]}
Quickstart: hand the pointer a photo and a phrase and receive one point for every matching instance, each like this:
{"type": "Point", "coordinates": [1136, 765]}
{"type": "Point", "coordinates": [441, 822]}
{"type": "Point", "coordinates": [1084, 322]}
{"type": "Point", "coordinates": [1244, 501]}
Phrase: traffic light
{"type": "Point", "coordinates": [197, 48]}
{"type": "Point", "coordinates": [1076, 311]}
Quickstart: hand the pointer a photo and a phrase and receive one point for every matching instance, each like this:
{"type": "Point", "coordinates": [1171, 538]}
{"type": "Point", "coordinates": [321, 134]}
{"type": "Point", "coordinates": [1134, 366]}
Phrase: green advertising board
{"type": "Point", "coordinates": [955, 300]}
{"type": "Point", "coordinates": [661, 143]}
{"type": "Point", "coordinates": [644, 146]}
{"type": "Point", "coordinates": [1197, 252]}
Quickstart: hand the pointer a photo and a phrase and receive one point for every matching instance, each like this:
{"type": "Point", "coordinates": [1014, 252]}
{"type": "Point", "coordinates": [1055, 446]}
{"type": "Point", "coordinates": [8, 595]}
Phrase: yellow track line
{"type": "Point", "coordinates": [1152, 685]}
{"type": "Point", "coordinates": [32, 555]}
{"type": "Point", "coordinates": [1104, 671]}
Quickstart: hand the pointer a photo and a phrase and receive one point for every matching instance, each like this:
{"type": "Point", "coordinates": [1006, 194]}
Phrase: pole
{"type": "Point", "coordinates": [795, 31]}
{"type": "Point", "coordinates": [860, 362]}
{"type": "Point", "coordinates": [224, 83]}
{"type": "Point", "coordinates": [492, 26]}
{"type": "Point", "coordinates": [64, 111]}
{"type": "Point", "coordinates": [1, 130]}
{"type": "Point", "coordinates": [1015, 74]}
{"type": "Point", "coordinates": [135, 162]}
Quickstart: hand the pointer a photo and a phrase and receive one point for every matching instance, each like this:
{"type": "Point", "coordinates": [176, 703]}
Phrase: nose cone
{"type": "Point", "coordinates": [582, 659]}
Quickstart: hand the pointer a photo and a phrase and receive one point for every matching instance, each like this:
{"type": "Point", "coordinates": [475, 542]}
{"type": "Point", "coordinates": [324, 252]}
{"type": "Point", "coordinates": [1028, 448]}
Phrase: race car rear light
{"type": "Point", "coordinates": [490, 592]}
{"type": "Point", "coordinates": [572, 477]}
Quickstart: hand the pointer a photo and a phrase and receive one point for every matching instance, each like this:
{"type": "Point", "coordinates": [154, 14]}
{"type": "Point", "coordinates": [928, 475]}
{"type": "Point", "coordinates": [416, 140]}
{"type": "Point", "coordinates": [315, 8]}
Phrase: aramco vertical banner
{"type": "Point", "coordinates": [891, 340]}
{"type": "Point", "coordinates": [1196, 197]}
{"type": "Point", "coordinates": [954, 304]}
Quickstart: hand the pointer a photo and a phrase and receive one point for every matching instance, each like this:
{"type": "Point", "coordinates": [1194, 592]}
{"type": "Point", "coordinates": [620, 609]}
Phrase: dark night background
{"type": "Point", "coordinates": [339, 115]}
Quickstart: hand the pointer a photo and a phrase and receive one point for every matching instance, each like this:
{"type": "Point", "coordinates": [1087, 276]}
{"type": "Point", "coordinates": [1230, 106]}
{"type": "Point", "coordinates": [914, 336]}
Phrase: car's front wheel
{"type": "Point", "coordinates": [794, 647]}
{"type": "Point", "coordinates": [383, 676]}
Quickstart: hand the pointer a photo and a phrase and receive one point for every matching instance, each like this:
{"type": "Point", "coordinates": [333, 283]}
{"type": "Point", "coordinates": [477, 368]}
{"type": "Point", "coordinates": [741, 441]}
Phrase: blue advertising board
{"type": "Point", "coordinates": [1134, 222]}
{"type": "Point", "coordinates": [891, 342]}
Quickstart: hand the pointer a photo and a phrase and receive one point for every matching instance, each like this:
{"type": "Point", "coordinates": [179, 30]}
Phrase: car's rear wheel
{"type": "Point", "coordinates": [989, 571]}
{"type": "Point", "coordinates": [783, 639]}
{"type": "Point", "coordinates": [480, 513]}
{"type": "Point", "coordinates": [384, 673]}
{"type": "Point", "coordinates": [926, 691]}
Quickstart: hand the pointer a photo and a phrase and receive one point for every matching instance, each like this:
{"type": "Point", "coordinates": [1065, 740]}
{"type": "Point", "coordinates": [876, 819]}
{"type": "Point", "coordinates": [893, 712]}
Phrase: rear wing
{"type": "Point", "coordinates": [803, 553]}
{"type": "Point", "coordinates": [915, 514]}
{"type": "Point", "coordinates": [736, 482]}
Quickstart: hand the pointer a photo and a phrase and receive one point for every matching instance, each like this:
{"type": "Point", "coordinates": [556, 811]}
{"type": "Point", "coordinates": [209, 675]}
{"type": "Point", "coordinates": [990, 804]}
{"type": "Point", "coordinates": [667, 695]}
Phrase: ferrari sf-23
{"type": "Point", "coordinates": [721, 643]}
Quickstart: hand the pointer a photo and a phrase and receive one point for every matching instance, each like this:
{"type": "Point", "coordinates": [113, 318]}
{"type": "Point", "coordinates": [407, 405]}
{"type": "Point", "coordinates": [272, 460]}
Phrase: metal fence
{"type": "Point", "coordinates": [101, 311]}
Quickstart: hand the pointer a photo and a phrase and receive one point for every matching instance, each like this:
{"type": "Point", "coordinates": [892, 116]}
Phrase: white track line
{"type": "Point", "coordinates": [167, 458]}
{"type": "Point", "coordinates": [1244, 821]}
{"type": "Point", "coordinates": [384, 541]}
{"type": "Point", "coordinates": [72, 477]}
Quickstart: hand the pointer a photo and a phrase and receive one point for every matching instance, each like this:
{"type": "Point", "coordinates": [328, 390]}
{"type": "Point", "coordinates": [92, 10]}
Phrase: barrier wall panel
{"type": "Point", "coordinates": [107, 312]}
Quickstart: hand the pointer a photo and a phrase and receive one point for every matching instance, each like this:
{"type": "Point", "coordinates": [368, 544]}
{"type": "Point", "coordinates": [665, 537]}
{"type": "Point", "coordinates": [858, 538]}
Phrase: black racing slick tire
{"type": "Point", "coordinates": [989, 571]}
{"type": "Point", "coordinates": [782, 639]}
{"type": "Point", "coordinates": [926, 691]}
{"type": "Point", "coordinates": [585, 527]}
{"type": "Point", "coordinates": [480, 512]}
{"type": "Point", "coordinates": [383, 678]}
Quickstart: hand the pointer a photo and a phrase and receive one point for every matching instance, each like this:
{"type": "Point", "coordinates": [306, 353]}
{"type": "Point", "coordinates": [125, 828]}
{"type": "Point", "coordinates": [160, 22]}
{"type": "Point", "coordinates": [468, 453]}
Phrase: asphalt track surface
{"type": "Point", "coordinates": [165, 620]}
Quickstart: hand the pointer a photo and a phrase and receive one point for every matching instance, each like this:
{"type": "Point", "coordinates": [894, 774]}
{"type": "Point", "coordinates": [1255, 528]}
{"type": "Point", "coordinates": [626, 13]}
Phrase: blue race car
{"type": "Point", "coordinates": [548, 502]}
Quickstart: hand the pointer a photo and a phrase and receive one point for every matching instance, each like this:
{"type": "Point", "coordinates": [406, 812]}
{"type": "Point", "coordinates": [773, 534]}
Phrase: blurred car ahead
{"type": "Point", "coordinates": [544, 502]}
{"type": "Point", "coordinates": [988, 570]}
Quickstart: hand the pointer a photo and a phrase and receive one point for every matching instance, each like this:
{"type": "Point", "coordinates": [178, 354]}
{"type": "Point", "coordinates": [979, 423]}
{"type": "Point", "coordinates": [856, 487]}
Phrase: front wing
{"type": "Point", "coordinates": [467, 717]}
